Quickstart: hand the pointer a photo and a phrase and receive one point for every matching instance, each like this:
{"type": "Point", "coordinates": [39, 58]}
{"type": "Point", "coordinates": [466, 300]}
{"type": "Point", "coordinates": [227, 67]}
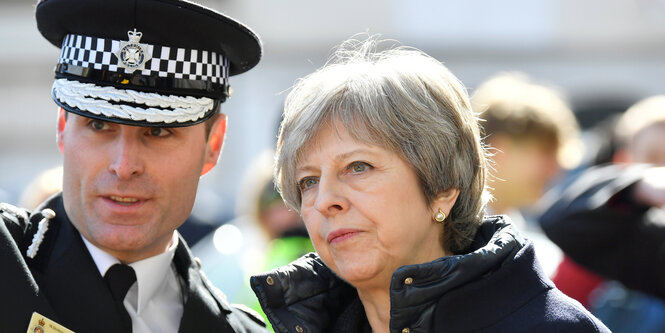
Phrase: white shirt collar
{"type": "Point", "coordinates": [150, 272]}
{"type": "Point", "coordinates": [103, 260]}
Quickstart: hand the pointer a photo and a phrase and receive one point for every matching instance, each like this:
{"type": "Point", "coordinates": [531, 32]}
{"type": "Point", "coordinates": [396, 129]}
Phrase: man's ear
{"type": "Point", "coordinates": [445, 201]}
{"type": "Point", "coordinates": [62, 121]}
{"type": "Point", "coordinates": [214, 144]}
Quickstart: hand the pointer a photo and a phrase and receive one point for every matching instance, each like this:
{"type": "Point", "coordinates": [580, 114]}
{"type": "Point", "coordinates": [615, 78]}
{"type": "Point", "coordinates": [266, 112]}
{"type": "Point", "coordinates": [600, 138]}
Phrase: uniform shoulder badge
{"type": "Point", "coordinates": [132, 55]}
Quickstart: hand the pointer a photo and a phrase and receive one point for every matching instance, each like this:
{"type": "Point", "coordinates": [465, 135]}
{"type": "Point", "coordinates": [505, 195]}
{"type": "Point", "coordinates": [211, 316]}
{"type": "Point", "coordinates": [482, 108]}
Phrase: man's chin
{"type": "Point", "coordinates": [120, 237]}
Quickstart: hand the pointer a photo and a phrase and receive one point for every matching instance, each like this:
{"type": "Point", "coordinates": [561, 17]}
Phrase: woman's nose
{"type": "Point", "coordinates": [330, 197]}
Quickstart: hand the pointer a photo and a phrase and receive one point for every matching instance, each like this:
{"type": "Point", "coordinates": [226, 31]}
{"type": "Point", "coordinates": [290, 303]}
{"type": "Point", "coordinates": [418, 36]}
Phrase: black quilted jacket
{"type": "Point", "coordinates": [497, 287]}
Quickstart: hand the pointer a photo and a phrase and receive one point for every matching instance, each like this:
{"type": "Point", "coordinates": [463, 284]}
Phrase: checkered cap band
{"type": "Point", "coordinates": [179, 63]}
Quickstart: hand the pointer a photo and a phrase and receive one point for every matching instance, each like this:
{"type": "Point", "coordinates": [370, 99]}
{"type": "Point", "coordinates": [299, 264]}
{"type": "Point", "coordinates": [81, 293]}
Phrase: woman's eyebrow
{"type": "Point", "coordinates": [339, 157]}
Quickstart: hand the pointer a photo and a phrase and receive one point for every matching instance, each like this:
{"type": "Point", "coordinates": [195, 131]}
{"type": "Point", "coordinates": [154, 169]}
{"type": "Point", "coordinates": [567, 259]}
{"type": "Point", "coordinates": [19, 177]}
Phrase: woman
{"type": "Point", "coordinates": [381, 155]}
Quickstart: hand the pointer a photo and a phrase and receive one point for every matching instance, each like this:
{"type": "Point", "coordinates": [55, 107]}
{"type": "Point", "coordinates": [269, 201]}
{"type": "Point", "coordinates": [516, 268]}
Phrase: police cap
{"type": "Point", "coordinates": [144, 62]}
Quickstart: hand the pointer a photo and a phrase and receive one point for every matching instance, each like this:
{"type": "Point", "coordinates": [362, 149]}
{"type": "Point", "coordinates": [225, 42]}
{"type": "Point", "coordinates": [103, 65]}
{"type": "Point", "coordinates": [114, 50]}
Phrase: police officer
{"type": "Point", "coordinates": [139, 85]}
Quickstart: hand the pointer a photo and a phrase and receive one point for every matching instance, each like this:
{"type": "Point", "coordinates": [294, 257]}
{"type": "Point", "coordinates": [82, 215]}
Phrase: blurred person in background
{"type": "Point", "coordinates": [381, 154]}
{"type": "Point", "coordinates": [601, 145]}
{"type": "Point", "coordinates": [265, 234]}
{"type": "Point", "coordinates": [46, 184]}
{"type": "Point", "coordinates": [641, 130]}
{"type": "Point", "coordinates": [139, 85]}
{"type": "Point", "coordinates": [610, 222]}
{"type": "Point", "coordinates": [532, 134]}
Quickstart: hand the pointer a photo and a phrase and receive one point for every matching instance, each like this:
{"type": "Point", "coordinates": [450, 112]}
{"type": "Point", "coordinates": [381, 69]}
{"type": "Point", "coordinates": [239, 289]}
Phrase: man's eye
{"type": "Point", "coordinates": [157, 131]}
{"type": "Point", "coordinates": [98, 124]}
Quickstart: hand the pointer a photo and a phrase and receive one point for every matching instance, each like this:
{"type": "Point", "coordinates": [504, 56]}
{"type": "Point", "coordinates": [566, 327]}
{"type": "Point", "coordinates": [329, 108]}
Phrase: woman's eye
{"type": "Point", "coordinates": [307, 182]}
{"type": "Point", "coordinates": [359, 167]}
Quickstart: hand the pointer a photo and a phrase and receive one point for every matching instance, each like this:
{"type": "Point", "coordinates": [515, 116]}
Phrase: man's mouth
{"type": "Point", "coordinates": [124, 200]}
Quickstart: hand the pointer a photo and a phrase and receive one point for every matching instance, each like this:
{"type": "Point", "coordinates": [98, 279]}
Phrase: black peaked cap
{"type": "Point", "coordinates": [174, 23]}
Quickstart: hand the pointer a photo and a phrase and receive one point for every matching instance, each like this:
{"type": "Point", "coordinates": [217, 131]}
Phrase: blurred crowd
{"type": "Point", "coordinates": [538, 150]}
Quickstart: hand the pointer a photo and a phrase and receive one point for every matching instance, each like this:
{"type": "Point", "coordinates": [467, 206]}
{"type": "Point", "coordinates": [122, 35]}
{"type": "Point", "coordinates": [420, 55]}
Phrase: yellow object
{"type": "Point", "coordinates": [41, 324]}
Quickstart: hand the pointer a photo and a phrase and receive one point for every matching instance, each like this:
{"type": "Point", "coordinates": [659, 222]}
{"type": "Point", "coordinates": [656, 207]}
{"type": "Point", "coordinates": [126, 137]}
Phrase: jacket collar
{"type": "Point", "coordinates": [206, 308]}
{"type": "Point", "coordinates": [61, 267]}
{"type": "Point", "coordinates": [473, 307]}
{"type": "Point", "coordinates": [304, 293]}
{"type": "Point", "coordinates": [496, 252]}
{"type": "Point", "coordinates": [495, 244]}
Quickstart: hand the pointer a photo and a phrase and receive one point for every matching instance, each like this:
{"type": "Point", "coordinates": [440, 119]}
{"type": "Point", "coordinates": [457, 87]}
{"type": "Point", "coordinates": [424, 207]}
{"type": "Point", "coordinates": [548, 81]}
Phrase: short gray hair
{"type": "Point", "coordinates": [400, 99]}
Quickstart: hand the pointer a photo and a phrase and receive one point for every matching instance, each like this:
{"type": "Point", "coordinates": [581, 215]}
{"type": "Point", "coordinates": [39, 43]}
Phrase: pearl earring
{"type": "Point", "coordinates": [440, 216]}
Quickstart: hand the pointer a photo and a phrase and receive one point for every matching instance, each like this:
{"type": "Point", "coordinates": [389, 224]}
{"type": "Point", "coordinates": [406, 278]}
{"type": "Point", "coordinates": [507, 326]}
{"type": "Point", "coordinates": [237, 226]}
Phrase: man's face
{"type": "Point", "coordinates": [127, 188]}
{"type": "Point", "coordinates": [647, 145]}
{"type": "Point", "coordinates": [525, 168]}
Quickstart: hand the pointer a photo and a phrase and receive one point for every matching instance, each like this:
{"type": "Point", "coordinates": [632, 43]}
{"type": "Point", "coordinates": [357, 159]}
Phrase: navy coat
{"type": "Point", "coordinates": [496, 287]}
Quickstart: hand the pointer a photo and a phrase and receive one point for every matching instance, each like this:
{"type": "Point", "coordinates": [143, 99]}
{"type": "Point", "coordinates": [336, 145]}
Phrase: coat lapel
{"type": "Point", "coordinates": [205, 310]}
{"type": "Point", "coordinates": [72, 283]}
{"type": "Point", "coordinates": [21, 294]}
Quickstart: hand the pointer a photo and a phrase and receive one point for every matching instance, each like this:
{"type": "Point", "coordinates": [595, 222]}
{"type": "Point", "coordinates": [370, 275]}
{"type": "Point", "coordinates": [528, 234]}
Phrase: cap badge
{"type": "Point", "coordinates": [132, 54]}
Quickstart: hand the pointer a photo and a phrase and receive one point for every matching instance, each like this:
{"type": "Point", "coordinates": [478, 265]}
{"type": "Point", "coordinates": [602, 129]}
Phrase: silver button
{"type": "Point", "coordinates": [408, 280]}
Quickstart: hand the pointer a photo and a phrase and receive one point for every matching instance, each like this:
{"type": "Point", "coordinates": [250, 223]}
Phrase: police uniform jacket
{"type": "Point", "coordinates": [496, 287]}
{"type": "Point", "coordinates": [63, 283]}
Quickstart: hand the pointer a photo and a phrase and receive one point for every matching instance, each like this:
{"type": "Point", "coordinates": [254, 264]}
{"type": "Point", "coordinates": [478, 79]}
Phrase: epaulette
{"type": "Point", "coordinates": [9, 212]}
{"type": "Point", "coordinates": [18, 222]}
{"type": "Point", "coordinates": [42, 227]}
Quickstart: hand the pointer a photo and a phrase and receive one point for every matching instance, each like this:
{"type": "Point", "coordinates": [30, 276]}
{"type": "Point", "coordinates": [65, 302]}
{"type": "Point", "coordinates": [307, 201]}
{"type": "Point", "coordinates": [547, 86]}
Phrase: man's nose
{"type": "Point", "coordinates": [126, 158]}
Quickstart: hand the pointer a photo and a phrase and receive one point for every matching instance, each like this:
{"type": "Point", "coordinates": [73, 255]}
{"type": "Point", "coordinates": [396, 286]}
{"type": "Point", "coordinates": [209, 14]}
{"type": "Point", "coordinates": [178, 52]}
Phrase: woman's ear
{"type": "Point", "coordinates": [62, 121]}
{"type": "Point", "coordinates": [445, 201]}
{"type": "Point", "coordinates": [214, 144]}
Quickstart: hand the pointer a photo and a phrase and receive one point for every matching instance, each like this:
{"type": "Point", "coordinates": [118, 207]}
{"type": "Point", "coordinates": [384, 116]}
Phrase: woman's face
{"type": "Point", "coordinates": [364, 209]}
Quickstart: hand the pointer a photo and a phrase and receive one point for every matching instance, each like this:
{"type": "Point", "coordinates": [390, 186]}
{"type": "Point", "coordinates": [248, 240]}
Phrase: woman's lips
{"type": "Point", "coordinates": [341, 235]}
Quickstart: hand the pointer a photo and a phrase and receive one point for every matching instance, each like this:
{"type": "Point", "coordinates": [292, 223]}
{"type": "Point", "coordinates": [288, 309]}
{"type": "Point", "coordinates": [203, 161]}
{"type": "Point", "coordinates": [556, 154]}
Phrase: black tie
{"type": "Point", "coordinates": [119, 278]}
